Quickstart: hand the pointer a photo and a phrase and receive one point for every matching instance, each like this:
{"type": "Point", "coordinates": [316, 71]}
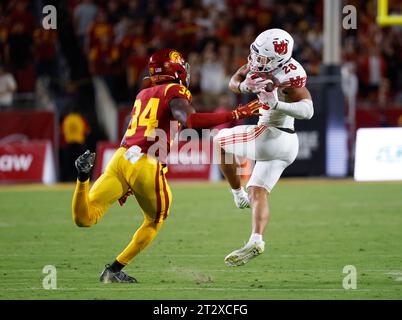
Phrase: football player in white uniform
{"type": "Point", "coordinates": [279, 82]}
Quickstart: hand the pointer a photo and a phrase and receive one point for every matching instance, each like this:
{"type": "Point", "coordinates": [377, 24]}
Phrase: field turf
{"type": "Point", "coordinates": [317, 227]}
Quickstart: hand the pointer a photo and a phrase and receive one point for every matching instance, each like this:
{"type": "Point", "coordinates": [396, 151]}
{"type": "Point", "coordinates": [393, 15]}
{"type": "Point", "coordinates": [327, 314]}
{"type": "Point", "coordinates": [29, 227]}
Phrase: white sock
{"type": "Point", "coordinates": [255, 237]}
{"type": "Point", "coordinates": [238, 192]}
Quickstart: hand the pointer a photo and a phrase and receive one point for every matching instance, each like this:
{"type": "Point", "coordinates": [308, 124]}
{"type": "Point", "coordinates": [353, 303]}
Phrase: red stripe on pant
{"type": "Point", "coordinates": [239, 135]}
{"type": "Point", "coordinates": [245, 138]}
{"type": "Point", "coordinates": [166, 194]}
{"type": "Point", "coordinates": [158, 194]}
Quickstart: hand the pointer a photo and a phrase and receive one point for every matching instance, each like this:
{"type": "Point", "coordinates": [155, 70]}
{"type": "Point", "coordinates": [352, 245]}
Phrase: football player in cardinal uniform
{"type": "Point", "coordinates": [279, 82]}
{"type": "Point", "coordinates": [134, 170]}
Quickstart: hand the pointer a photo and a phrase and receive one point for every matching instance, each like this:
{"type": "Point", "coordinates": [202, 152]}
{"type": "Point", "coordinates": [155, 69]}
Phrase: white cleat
{"type": "Point", "coordinates": [242, 256]}
{"type": "Point", "coordinates": [241, 198]}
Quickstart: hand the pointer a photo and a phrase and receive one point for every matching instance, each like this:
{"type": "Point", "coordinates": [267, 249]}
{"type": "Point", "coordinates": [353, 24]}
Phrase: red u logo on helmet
{"type": "Point", "coordinates": [281, 47]}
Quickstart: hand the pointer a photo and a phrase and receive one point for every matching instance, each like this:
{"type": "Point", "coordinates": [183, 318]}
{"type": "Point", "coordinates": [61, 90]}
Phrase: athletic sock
{"type": "Point", "coordinates": [116, 266]}
{"type": "Point", "coordinates": [255, 237]}
{"type": "Point", "coordinates": [82, 176]}
{"type": "Point", "coordinates": [238, 192]}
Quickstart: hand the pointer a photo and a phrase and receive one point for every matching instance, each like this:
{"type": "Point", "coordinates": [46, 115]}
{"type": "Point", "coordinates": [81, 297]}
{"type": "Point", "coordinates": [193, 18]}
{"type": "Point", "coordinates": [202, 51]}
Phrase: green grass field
{"type": "Point", "coordinates": [317, 227]}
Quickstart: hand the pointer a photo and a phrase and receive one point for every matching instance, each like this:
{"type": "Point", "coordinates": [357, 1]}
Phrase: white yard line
{"type": "Point", "coordinates": [290, 256]}
{"type": "Point", "coordinates": [394, 273]}
{"type": "Point", "coordinates": [139, 289]}
{"type": "Point", "coordinates": [200, 184]}
{"type": "Point", "coordinates": [243, 270]}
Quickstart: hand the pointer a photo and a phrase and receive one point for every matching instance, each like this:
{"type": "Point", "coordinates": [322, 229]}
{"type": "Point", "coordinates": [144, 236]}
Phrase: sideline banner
{"type": "Point", "coordinates": [27, 125]}
{"type": "Point", "coordinates": [27, 162]}
{"type": "Point", "coordinates": [104, 152]}
{"type": "Point", "coordinates": [378, 154]}
{"type": "Point", "coordinates": [186, 160]}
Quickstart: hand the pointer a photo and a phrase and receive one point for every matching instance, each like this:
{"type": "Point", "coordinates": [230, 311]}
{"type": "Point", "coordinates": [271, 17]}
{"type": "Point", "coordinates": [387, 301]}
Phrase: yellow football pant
{"type": "Point", "coordinates": [146, 178]}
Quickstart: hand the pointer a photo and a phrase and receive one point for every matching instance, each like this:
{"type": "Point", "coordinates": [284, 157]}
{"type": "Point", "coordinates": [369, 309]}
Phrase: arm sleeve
{"type": "Point", "coordinates": [302, 110]}
{"type": "Point", "coordinates": [208, 120]}
{"type": "Point", "coordinates": [197, 120]}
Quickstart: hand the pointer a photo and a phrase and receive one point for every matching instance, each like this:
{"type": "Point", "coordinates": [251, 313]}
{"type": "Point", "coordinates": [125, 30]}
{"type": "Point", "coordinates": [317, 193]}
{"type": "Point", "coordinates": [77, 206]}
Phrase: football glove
{"type": "Point", "coordinates": [253, 83]}
{"type": "Point", "coordinates": [248, 110]}
{"type": "Point", "coordinates": [268, 99]}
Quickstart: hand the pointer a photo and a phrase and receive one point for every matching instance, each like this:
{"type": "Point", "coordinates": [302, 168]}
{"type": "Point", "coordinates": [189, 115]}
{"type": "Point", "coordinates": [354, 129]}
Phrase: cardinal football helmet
{"type": "Point", "coordinates": [167, 65]}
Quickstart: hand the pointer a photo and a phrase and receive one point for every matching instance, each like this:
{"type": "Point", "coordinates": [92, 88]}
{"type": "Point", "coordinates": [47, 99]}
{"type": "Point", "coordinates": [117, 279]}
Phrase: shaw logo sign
{"type": "Point", "coordinates": [27, 162]}
{"type": "Point", "coordinates": [15, 162]}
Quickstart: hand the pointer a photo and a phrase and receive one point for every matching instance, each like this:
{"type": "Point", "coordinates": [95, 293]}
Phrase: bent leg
{"type": "Point", "coordinates": [229, 168]}
{"type": "Point", "coordinates": [259, 204]}
{"type": "Point", "coordinates": [141, 239]}
{"type": "Point", "coordinates": [236, 141]}
{"type": "Point", "coordinates": [239, 141]}
{"type": "Point", "coordinates": [154, 197]}
{"type": "Point", "coordinates": [255, 245]}
{"type": "Point", "coordinates": [90, 204]}
{"type": "Point", "coordinates": [263, 179]}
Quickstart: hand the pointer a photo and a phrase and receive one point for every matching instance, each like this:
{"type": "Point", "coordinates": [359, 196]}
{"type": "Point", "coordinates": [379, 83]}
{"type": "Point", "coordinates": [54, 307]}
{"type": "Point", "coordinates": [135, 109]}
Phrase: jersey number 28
{"type": "Point", "coordinates": [289, 67]}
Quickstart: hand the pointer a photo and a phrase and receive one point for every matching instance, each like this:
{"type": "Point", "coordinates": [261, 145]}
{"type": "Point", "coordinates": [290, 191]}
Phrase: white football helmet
{"type": "Point", "coordinates": [270, 50]}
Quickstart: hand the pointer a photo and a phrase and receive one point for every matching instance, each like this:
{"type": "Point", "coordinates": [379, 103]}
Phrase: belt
{"type": "Point", "coordinates": [286, 130]}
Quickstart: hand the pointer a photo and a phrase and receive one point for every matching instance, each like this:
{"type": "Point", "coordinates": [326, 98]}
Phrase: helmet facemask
{"type": "Point", "coordinates": [187, 68]}
{"type": "Point", "coordinates": [260, 63]}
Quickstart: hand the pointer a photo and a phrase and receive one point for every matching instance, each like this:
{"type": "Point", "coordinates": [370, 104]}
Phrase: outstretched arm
{"type": "Point", "coordinates": [184, 112]}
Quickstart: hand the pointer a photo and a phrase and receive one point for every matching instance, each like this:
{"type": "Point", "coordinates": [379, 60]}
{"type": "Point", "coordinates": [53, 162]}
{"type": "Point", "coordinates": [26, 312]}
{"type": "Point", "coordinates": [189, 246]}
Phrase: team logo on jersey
{"type": "Point", "coordinates": [298, 82]}
{"type": "Point", "coordinates": [281, 47]}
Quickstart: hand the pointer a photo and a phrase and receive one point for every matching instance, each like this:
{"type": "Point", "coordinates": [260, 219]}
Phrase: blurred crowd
{"type": "Point", "coordinates": [375, 55]}
{"type": "Point", "coordinates": [116, 38]}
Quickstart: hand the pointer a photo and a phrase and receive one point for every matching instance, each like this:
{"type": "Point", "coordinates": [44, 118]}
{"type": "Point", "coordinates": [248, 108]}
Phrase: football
{"type": "Point", "coordinates": [272, 81]}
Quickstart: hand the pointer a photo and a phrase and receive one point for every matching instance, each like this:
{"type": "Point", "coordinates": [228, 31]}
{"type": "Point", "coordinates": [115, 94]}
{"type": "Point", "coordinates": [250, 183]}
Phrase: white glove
{"type": "Point", "coordinates": [253, 84]}
{"type": "Point", "coordinates": [268, 98]}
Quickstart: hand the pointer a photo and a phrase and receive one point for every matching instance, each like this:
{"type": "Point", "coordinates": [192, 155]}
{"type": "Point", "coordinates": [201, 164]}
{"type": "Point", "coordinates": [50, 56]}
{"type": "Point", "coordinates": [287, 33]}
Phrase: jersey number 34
{"type": "Point", "coordinates": [145, 118]}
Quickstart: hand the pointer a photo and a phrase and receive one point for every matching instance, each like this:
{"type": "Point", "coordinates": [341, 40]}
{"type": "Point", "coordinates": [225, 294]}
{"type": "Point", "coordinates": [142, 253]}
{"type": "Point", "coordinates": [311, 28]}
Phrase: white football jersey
{"type": "Point", "coordinates": [291, 74]}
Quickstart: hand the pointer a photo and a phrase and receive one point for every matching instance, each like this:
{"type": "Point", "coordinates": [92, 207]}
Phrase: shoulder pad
{"type": "Point", "coordinates": [291, 74]}
{"type": "Point", "coordinates": [175, 90]}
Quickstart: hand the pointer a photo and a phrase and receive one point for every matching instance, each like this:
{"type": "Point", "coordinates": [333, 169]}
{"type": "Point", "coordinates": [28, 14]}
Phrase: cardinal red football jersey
{"type": "Point", "coordinates": [151, 111]}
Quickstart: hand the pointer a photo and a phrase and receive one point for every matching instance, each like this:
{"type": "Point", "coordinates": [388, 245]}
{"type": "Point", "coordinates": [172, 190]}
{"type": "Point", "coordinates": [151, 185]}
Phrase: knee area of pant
{"type": "Point", "coordinates": [82, 222]}
{"type": "Point", "coordinates": [151, 223]}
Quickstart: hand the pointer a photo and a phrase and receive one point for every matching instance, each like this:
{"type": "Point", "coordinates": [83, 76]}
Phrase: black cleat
{"type": "Point", "coordinates": [107, 276]}
{"type": "Point", "coordinates": [84, 164]}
